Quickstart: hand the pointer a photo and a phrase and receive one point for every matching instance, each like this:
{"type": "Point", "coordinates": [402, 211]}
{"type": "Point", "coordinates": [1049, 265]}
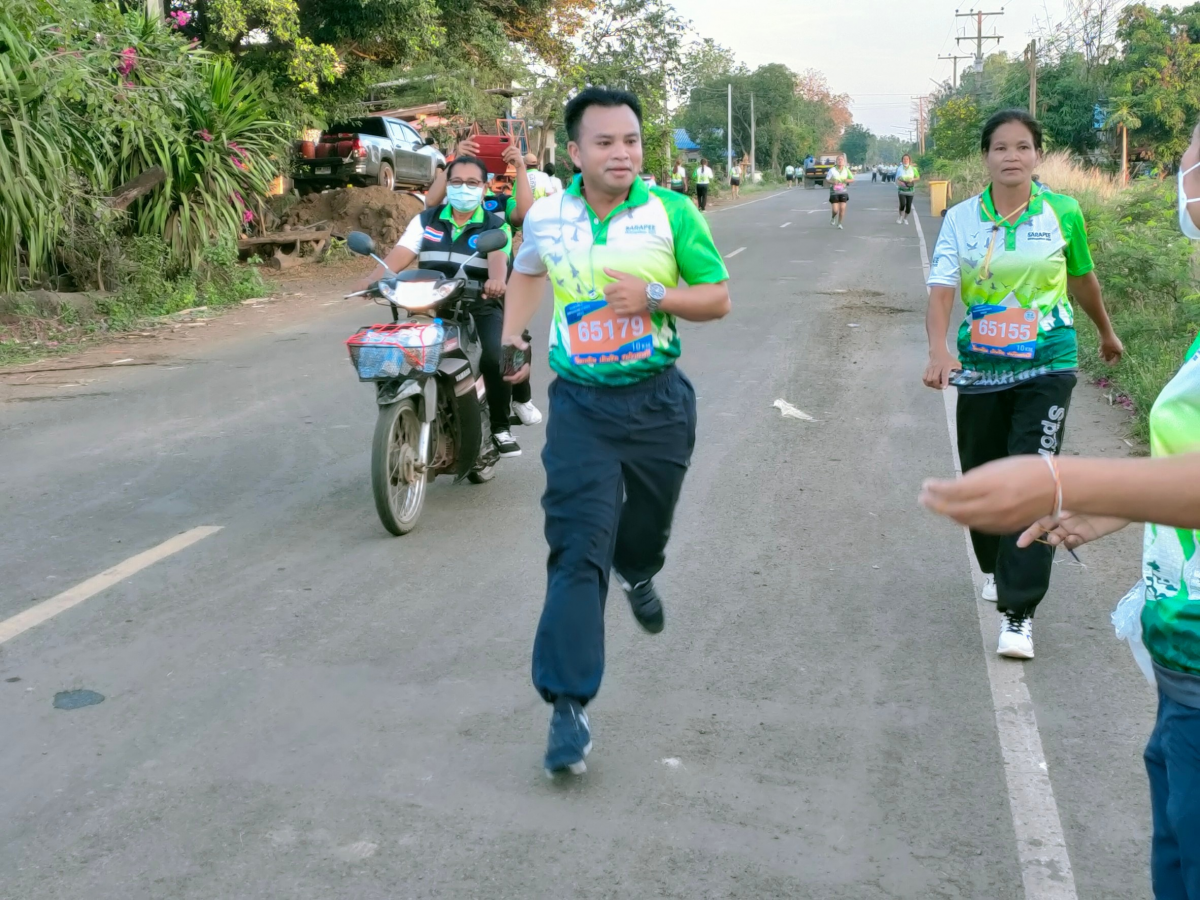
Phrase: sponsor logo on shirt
{"type": "Point", "coordinates": [1039, 236]}
{"type": "Point", "coordinates": [490, 205]}
{"type": "Point", "coordinates": [640, 229]}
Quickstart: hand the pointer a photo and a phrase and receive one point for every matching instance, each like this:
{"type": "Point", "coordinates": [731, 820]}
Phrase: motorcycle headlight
{"type": "Point", "coordinates": [416, 296]}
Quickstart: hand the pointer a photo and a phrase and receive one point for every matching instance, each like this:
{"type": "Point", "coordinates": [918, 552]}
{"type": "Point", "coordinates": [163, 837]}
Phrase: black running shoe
{"type": "Point", "coordinates": [646, 605]}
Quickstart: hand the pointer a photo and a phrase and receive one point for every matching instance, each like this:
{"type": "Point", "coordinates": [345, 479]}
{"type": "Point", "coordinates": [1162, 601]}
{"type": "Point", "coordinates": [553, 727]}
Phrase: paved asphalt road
{"type": "Point", "coordinates": [300, 706]}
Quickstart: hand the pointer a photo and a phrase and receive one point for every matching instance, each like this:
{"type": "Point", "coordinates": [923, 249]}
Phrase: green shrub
{"type": "Point", "coordinates": [91, 97]}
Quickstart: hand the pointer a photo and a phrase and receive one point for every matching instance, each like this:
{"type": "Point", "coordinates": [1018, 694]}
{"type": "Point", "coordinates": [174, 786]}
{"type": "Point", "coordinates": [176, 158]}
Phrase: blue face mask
{"type": "Point", "coordinates": [463, 198]}
{"type": "Point", "coordinates": [1186, 225]}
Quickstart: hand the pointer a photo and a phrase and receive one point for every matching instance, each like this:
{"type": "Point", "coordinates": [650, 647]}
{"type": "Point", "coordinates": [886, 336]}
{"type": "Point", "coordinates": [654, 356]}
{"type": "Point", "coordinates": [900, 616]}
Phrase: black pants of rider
{"type": "Point", "coordinates": [615, 459]}
{"type": "Point", "coordinates": [906, 204]}
{"type": "Point", "coordinates": [489, 319]}
{"type": "Point", "coordinates": [1029, 417]}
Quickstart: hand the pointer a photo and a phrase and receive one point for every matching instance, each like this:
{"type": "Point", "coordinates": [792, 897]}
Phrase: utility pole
{"type": "Point", "coordinates": [753, 149]}
{"type": "Point", "coordinates": [921, 124]}
{"type": "Point", "coordinates": [956, 59]}
{"type": "Point", "coordinates": [980, 37]}
{"type": "Point", "coordinates": [729, 131]}
{"type": "Point", "coordinates": [1032, 61]}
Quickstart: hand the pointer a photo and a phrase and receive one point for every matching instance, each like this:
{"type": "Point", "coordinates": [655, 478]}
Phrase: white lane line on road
{"type": "Point", "coordinates": [750, 202]}
{"type": "Point", "coordinates": [731, 254]}
{"type": "Point", "coordinates": [1041, 846]}
{"type": "Point", "coordinates": [785, 224]}
{"type": "Point", "coordinates": [48, 609]}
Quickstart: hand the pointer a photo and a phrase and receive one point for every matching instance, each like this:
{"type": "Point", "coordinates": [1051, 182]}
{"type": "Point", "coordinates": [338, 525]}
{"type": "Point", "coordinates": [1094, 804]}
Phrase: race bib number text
{"type": "Point", "coordinates": [1004, 331]}
{"type": "Point", "coordinates": [598, 335]}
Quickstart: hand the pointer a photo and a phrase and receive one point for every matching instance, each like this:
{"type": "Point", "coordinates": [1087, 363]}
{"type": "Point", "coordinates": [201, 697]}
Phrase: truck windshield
{"type": "Point", "coordinates": [372, 126]}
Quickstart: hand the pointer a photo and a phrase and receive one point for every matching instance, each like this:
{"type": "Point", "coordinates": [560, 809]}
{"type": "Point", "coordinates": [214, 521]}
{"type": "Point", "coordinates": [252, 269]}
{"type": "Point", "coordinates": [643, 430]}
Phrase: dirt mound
{"type": "Point", "coordinates": [381, 213]}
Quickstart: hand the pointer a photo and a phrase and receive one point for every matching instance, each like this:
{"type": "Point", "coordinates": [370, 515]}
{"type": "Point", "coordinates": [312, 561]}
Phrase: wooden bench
{"type": "Point", "coordinates": [286, 248]}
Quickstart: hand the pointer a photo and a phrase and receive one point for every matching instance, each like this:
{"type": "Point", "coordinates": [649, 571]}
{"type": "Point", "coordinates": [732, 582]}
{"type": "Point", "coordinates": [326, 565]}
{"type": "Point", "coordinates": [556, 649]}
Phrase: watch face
{"type": "Point", "coordinates": [656, 291]}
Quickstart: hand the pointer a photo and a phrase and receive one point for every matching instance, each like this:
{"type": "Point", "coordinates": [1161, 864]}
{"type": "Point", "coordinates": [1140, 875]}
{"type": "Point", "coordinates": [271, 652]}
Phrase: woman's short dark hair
{"type": "Point", "coordinates": [468, 161]}
{"type": "Point", "coordinates": [597, 96]}
{"type": "Point", "coordinates": [548, 168]}
{"type": "Point", "coordinates": [1003, 118]}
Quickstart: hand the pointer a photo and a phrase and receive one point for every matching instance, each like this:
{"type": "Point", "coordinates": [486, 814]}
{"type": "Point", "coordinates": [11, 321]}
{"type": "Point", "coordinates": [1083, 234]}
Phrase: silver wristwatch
{"type": "Point", "coordinates": [655, 293]}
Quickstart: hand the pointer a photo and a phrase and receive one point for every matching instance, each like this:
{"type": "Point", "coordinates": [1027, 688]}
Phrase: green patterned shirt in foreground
{"type": "Point", "coordinates": [1170, 562]}
{"type": "Point", "coordinates": [1029, 267]}
{"type": "Point", "coordinates": [656, 235]}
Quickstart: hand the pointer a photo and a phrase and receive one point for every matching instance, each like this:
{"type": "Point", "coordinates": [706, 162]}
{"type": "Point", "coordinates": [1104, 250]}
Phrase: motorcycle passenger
{"type": "Point", "coordinates": [442, 238]}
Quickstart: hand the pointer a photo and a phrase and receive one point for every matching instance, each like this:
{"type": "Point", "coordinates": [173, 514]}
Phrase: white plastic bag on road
{"type": "Point", "coordinates": [1127, 620]}
{"type": "Point", "coordinates": [790, 412]}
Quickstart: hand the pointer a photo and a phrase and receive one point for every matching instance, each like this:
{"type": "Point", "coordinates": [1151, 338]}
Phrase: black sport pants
{"type": "Point", "coordinates": [906, 204]}
{"type": "Point", "coordinates": [489, 319]}
{"type": "Point", "coordinates": [702, 196]}
{"type": "Point", "coordinates": [1027, 418]}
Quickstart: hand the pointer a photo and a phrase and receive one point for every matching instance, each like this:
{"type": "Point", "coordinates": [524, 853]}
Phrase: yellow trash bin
{"type": "Point", "coordinates": [939, 197]}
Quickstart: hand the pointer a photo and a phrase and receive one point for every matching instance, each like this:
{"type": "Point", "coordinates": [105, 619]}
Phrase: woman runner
{"type": "Point", "coordinates": [838, 178]}
{"type": "Point", "coordinates": [907, 177]}
{"type": "Point", "coordinates": [1015, 252]}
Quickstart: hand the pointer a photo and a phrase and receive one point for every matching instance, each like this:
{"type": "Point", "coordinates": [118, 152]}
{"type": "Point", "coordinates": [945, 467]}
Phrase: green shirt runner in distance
{"type": "Point", "coordinates": [656, 235]}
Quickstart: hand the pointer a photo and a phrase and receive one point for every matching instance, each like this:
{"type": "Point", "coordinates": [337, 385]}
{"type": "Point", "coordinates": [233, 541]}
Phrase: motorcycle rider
{"type": "Point", "coordinates": [510, 199]}
{"type": "Point", "coordinates": [443, 237]}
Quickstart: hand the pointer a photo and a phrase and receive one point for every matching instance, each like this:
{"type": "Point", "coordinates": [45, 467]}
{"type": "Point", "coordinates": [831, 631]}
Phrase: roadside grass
{"type": "Point", "coordinates": [1147, 269]}
{"type": "Point", "coordinates": [30, 332]}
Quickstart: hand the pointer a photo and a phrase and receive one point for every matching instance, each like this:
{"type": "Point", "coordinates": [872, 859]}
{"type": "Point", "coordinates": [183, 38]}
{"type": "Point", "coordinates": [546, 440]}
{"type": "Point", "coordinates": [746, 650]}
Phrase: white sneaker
{"type": "Point", "coordinates": [840, 226]}
{"type": "Point", "coordinates": [527, 413]}
{"type": "Point", "coordinates": [1016, 636]}
{"type": "Point", "coordinates": [989, 588]}
{"type": "Point", "coordinates": [900, 220]}
{"type": "Point", "coordinates": [506, 444]}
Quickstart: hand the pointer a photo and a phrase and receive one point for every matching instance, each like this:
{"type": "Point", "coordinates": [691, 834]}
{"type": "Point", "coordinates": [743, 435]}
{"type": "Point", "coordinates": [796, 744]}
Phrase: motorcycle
{"type": "Point", "coordinates": [433, 413]}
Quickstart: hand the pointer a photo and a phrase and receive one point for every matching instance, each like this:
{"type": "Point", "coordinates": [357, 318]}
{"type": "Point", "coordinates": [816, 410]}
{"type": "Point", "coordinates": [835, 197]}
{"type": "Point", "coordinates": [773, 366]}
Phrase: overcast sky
{"type": "Point", "coordinates": [880, 52]}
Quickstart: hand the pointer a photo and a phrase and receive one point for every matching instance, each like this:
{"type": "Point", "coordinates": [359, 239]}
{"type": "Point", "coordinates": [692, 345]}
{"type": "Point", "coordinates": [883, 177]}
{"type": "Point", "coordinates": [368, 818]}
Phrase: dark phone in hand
{"type": "Point", "coordinates": [512, 359]}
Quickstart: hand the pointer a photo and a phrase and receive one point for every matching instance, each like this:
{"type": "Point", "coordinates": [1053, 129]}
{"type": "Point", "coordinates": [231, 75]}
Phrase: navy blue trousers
{"type": "Point", "coordinates": [615, 459]}
{"type": "Point", "coordinates": [1173, 764]}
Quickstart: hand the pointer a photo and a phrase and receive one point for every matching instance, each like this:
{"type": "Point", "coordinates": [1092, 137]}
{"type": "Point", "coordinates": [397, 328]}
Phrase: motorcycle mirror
{"type": "Point", "coordinates": [360, 243]}
{"type": "Point", "coordinates": [490, 241]}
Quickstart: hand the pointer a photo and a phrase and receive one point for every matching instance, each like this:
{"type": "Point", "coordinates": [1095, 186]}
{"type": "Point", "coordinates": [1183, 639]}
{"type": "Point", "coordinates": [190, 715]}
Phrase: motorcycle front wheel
{"type": "Point", "coordinates": [397, 477]}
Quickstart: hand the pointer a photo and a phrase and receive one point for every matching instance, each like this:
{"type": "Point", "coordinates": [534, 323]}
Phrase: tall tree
{"type": "Point", "coordinates": [856, 141]}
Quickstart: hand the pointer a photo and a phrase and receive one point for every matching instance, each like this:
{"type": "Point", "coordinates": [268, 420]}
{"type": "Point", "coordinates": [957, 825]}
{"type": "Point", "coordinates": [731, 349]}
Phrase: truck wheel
{"type": "Point", "coordinates": [387, 178]}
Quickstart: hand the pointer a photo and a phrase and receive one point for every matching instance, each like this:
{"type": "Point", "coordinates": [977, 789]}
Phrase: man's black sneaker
{"type": "Point", "coordinates": [570, 738]}
{"type": "Point", "coordinates": [646, 606]}
{"type": "Point", "coordinates": [506, 444]}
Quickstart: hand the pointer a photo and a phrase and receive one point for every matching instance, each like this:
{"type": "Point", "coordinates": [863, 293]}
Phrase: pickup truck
{"type": "Point", "coordinates": [369, 150]}
{"type": "Point", "coordinates": [815, 173]}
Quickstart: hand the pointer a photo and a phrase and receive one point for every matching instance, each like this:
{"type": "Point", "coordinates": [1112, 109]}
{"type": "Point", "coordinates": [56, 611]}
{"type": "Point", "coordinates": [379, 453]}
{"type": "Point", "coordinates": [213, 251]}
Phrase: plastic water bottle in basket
{"type": "Point", "coordinates": [379, 352]}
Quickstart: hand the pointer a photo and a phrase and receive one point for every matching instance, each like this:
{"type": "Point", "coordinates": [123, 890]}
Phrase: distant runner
{"type": "Point", "coordinates": [679, 179]}
{"type": "Point", "coordinates": [838, 178]}
{"type": "Point", "coordinates": [907, 177]}
{"type": "Point", "coordinates": [735, 179]}
{"type": "Point", "coordinates": [789, 175]}
{"type": "Point", "coordinates": [704, 176]}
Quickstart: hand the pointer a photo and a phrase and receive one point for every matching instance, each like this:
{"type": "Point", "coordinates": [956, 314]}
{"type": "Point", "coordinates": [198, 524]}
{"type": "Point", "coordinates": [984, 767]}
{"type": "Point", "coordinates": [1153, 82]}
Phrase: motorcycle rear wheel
{"type": "Point", "coordinates": [397, 478]}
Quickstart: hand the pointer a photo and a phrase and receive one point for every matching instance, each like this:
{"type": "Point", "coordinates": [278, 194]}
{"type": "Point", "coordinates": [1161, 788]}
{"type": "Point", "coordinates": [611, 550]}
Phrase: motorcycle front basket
{"type": "Point", "coordinates": [383, 352]}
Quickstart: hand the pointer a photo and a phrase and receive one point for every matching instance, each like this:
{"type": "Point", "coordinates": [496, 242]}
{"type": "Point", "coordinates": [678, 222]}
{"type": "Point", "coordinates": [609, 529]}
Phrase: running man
{"type": "Point", "coordinates": [789, 175]}
{"type": "Point", "coordinates": [704, 176]}
{"type": "Point", "coordinates": [1017, 255]}
{"type": "Point", "coordinates": [735, 179]}
{"type": "Point", "coordinates": [839, 178]}
{"type": "Point", "coordinates": [622, 414]}
{"type": "Point", "coordinates": [907, 177]}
